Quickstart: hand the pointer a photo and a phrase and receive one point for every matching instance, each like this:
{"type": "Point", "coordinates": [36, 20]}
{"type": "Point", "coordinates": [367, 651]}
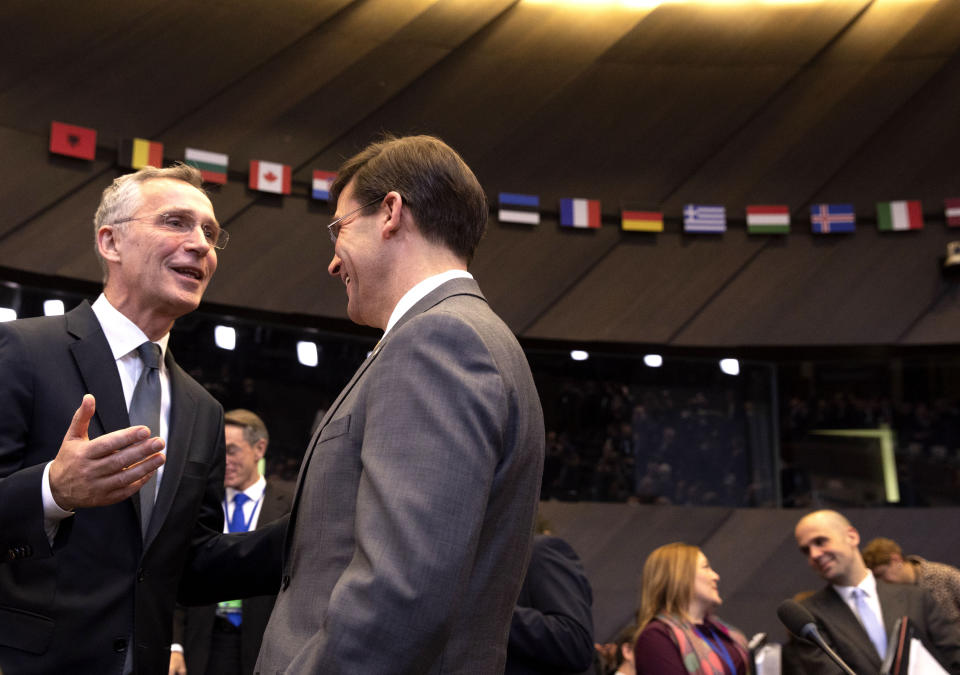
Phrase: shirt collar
{"type": "Point", "coordinates": [869, 585]}
{"type": "Point", "coordinates": [122, 334]}
{"type": "Point", "coordinates": [254, 492]}
{"type": "Point", "coordinates": [420, 291]}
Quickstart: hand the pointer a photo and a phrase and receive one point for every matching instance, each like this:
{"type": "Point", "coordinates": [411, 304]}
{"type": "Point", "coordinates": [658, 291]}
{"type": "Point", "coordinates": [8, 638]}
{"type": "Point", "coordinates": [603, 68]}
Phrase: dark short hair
{"type": "Point", "coordinates": [253, 427]}
{"type": "Point", "coordinates": [445, 198]}
{"type": "Point", "coordinates": [879, 551]}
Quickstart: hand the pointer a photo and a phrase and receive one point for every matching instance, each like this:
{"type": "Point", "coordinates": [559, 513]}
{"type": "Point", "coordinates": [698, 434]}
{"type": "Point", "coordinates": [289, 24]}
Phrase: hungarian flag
{"type": "Point", "coordinates": [772, 219]}
{"type": "Point", "coordinates": [269, 177]}
{"type": "Point", "coordinates": [212, 165]}
{"type": "Point", "coordinates": [136, 153]}
{"type": "Point", "coordinates": [73, 141]}
{"type": "Point", "coordinates": [951, 209]}
{"type": "Point", "coordinates": [322, 180]}
{"type": "Point", "coordinates": [517, 208]}
{"type": "Point", "coordinates": [899, 216]}
{"type": "Point", "coordinates": [580, 213]}
{"type": "Point", "coordinates": [641, 221]}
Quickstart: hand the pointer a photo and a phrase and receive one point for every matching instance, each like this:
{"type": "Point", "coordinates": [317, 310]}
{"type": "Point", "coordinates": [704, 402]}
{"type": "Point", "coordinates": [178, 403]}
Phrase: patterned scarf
{"type": "Point", "coordinates": [698, 657]}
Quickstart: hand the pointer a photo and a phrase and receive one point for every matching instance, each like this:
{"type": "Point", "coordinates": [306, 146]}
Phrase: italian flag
{"type": "Point", "coordinates": [270, 177]}
{"type": "Point", "coordinates": [899, 216]}
{"type": "Point", "coordinates": [212, 165]}
{"type": "Point", "coordinates": [773, 219]}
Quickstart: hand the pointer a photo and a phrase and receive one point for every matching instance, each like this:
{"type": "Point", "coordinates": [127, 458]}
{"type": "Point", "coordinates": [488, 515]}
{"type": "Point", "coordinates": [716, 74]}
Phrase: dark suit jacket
{"type": "Point", "coordinates": [552, 627]}
{"type": "Point", "coordinates": [413, 518]}
{"type": "Point", "coordinates": [842, 630]}
{"type": "Point", "coordinates": [193, 626]}
{"type": "Point", "coordinates": [70, 608]}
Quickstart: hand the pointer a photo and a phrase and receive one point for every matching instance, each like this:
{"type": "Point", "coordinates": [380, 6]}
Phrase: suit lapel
{"type": "Point", "coordinates": [183, 413]}
{"type": "Point", "coordinates": [98, 370]}
{"type": "Point", "coordinates": [446, 290]}
{"type": "Point", "coordinates": [272, 506]}
{"type": "Point", "coordinates": [892, 604]}
{"type": "Point", "coordinates": [288, 539]}
{"type": "Point", "coordinates": [846, 627]}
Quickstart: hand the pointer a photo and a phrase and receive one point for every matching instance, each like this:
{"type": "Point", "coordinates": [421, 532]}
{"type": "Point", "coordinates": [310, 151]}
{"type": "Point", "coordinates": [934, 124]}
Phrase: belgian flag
{"type": "Point", "coordinates": [136, 153]}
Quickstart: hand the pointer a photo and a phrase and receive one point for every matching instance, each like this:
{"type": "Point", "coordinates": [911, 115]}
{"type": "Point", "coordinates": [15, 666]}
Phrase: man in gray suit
{"type": "Point", "coordinates": [413, 515]}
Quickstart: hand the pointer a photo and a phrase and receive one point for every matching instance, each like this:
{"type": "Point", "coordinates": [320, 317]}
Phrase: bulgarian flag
{"type": "Point", "coordinates": [899, 216]}
{"type": "Point", "coordinates": [270, 177]}
{"type": "Point", "coordinates": [773, 219]}
{"type": "Point", "coordinates": [136, 153]}
{"type": "Point", "coordinates": [212, 165]}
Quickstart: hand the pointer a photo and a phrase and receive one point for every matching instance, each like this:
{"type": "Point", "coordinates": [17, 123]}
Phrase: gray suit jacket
{"type": "Point", "coordinates": [412, 521]}
{"type": "Point", "coordinates": [844, 633]}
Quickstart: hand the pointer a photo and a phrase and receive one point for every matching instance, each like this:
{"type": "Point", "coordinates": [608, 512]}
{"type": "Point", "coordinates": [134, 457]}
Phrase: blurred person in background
{"type": "Point", "coordinates": [677, 633]}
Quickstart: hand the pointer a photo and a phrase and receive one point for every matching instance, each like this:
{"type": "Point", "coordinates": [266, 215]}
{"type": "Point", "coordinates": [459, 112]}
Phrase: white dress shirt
{"type": "Point", "coordinates": [420, 291]}
{"type": "Point", "coordinates": [123, 336]}
{"type": "Point", "coordinates": [869, 585]}
{"type": "Point", "coordinates": [252, 507]}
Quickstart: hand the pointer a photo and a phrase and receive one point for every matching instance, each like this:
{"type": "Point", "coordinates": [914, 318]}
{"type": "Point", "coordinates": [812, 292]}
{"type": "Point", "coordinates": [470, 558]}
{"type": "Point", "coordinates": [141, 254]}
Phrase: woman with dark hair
{"type": "Point", "coordinates": [676, 631]}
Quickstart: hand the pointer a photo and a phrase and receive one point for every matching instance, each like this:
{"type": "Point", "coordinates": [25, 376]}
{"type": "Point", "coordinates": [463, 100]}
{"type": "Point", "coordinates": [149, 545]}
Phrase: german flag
{"type": "Point", "coordinates": [136, 153]}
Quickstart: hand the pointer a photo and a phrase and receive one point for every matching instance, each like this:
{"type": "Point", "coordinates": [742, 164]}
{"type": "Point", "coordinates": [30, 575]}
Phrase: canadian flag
{"type": "Point", "coordinates": [270, 177]}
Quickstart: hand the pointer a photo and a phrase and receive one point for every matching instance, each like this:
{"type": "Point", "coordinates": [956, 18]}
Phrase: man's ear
{"type": "Point", "coordinates": [107, 243]}
{"type": "Point", "coordinates": [260, 448]}
{"type": "Point", "coordinates": [395, 207]}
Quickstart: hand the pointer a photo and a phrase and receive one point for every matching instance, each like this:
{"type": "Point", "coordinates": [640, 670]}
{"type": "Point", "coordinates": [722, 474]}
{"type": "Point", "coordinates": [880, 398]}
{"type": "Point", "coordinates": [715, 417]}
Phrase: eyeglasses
{"type": "Point", "coordinates": [183, 223]}
{"type": "Point", "coordinates": [334, 227]}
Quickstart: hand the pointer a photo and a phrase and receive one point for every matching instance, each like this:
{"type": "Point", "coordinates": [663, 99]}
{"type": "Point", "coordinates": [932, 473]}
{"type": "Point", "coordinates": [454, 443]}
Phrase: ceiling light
{"type": "Point", "coordinates": [307, 353]}
{"type": "Point", "coordinates": [225, 337]}
{"type": "Point", "coordinates": [52, 307]}
{"type": "Point", "coordinates": [730, 366]}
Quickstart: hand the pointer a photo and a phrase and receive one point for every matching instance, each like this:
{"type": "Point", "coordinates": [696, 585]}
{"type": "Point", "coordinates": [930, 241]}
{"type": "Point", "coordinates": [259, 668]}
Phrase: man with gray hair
{"type": "Point", "coordinates": [103, 526]}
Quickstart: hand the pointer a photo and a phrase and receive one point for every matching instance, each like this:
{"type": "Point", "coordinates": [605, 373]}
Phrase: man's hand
{"type": "Point", "coordinates": [105, 470]}
{"type": "Point", "coordinates": [177, 665]}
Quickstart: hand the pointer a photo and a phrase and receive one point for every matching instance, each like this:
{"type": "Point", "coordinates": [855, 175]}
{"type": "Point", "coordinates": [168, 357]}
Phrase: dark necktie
{"type": "Point", "coordinates": [145, 410]}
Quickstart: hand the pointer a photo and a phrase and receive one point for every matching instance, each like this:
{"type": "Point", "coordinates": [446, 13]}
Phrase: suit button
{"type": "Point", "coordinates": [141, 575]}
{"type": "Point", "coordinates": [119, 645]}
{"type": "Point", "coordinates": [285, 583]}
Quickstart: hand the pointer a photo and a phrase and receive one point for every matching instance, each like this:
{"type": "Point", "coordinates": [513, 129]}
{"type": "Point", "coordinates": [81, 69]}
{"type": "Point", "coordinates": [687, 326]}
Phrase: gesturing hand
{"type": "Point", "coordinates": [107, 469]}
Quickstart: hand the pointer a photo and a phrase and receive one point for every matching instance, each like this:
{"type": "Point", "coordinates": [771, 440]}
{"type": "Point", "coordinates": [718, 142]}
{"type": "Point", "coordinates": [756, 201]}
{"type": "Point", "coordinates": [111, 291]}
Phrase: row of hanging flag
{"type": "Point", "coordinates": [136, 153]}
{"type": "Point", "coordinates": [702, 218]}
{"type": "Point", "coordinates": [274, 177]}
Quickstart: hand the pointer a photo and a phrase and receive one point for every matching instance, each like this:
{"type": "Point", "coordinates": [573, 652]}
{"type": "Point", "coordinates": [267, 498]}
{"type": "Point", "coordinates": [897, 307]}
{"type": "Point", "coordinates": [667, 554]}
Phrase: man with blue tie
{"type": "Point", "coordinates": [224, 639]}
{"type": "Point", "coordinates": [856, 612]}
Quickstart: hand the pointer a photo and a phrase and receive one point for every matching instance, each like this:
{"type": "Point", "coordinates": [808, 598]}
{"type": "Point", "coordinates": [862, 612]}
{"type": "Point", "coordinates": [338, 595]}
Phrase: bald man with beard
{"type": "Point", "coordinates": [830, 544]}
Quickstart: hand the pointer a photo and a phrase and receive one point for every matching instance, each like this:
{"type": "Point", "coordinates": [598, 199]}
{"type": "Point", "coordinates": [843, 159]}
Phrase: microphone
{"type": "Point", "coordinates": [801, 623]}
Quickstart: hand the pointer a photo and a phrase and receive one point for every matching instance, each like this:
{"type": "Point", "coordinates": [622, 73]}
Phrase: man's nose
{"type": "Point", "coordinates": [334, 267]}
